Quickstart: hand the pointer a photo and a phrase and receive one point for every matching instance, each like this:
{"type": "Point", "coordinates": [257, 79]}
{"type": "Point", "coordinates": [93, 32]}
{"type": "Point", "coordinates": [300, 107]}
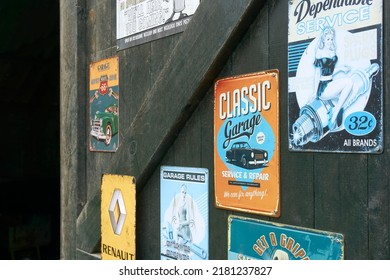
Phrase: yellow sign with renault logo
{"type": "Point", "coordinates": [118, 217]}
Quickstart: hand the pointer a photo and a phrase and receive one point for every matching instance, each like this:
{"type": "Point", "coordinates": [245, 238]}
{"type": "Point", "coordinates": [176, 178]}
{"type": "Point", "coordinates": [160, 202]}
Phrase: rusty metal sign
{"type": "Point", "coordinates": [246, 143]}
{"type": "Point", "coordinates": [251, 239]}
{"type": "Point", "coordinates": [335, 72]}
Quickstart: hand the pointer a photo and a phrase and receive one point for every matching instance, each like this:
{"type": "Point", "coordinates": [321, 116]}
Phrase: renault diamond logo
{"type": "Point", "coordinates": [117, 217]}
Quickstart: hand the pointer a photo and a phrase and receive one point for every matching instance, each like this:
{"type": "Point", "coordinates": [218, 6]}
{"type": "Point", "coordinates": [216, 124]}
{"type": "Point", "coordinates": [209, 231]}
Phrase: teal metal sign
{"type": "Point", "coordinates": [251, 239]}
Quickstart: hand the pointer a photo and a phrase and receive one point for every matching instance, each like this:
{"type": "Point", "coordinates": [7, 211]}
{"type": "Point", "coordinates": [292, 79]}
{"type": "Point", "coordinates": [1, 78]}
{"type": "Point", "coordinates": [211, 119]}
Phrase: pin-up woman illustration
{"type": "Point", "coordinates": [326, 66]}
{"type": "Point", "coordinates": [332, 84]}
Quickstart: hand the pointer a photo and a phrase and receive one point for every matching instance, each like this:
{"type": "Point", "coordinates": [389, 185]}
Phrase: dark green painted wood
{"type": "Point", "coordinates": [296, 169]}
{"type": "Point", "coordinates": [72, 122]}
{"type": "Point", "coordinates": [341, 199]}
{"type": "Point", "coordinates": [166, 118]}
{"type": "Point", "coordinates": [208, 39]}
{"type": "Point", "coordinates": [213, 47]}
{"type": "Point", "coordinates": [378, 169]}
{"type": "Point", "coordinates": [89, 226]}
{"type": "Point", "coordinates": [148, 220]}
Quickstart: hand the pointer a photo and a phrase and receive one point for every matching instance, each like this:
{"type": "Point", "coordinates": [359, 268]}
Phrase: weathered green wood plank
{"type": "Point", "coordinates": [148, 199]}
{"type": "Point", "coordinates": [197, 58]}
{"type": "Point", "coordinates": [148, 220]}
{"type": "Point", "coordinates": [379, 168]}
{"type": "Point", "coordinates": [193, 64]}
{"type": "Point", "coordinates": [72, 121]}
{"type": "Point", "coordinates": [218, 218]}
{"type": "Point", "coordinates": [341, 199]}
{"type": "Point", "coordinates": [183, 152]}
{"type": "Point", "coordinates": [100, 44]}
{"type": "Point", "coordinates": [296, 169]}
{"type": "Point", "coordinates": [167, 106]}
{"type": "Point", "coordinates": [88, 226]}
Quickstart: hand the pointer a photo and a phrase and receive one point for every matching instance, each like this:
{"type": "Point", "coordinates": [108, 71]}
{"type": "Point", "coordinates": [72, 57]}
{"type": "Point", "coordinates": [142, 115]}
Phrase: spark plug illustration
{"type": "Point", "coordinates": [312, 123]}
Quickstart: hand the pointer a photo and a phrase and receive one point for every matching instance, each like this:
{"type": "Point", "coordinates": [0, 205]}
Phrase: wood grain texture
{"type": "Point", "coordinates": [72, 123]}
{"type": "Point", "coordinates": [209, 39]}
{"type": "Point", "coordinates": [193, 64]}
{"type": "Point", "coordinates": [378, 169]}
{"type": "Point", "coordinates": [167, 119]}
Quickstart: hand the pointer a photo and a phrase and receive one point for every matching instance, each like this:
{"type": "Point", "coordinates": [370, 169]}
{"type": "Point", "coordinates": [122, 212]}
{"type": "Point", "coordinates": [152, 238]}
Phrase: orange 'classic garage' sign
{"type": "Point", "coordinates": [246, 143]}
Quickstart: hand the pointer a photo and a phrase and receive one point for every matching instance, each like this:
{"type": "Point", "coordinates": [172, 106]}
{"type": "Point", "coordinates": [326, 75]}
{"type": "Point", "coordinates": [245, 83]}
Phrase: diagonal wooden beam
{"type": "Point", "coordinates": [203, 49]}
{"type": "Point", "coordinates": [88, 226]}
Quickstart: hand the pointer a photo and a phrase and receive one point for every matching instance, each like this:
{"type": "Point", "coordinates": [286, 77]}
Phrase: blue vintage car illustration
{"type": "Point", "coordinates": [243, 154]}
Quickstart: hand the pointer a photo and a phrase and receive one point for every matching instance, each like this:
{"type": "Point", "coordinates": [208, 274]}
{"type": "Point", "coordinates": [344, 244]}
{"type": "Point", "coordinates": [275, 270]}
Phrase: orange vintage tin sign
{"type": "Point", "coordinates": [246, 143]}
